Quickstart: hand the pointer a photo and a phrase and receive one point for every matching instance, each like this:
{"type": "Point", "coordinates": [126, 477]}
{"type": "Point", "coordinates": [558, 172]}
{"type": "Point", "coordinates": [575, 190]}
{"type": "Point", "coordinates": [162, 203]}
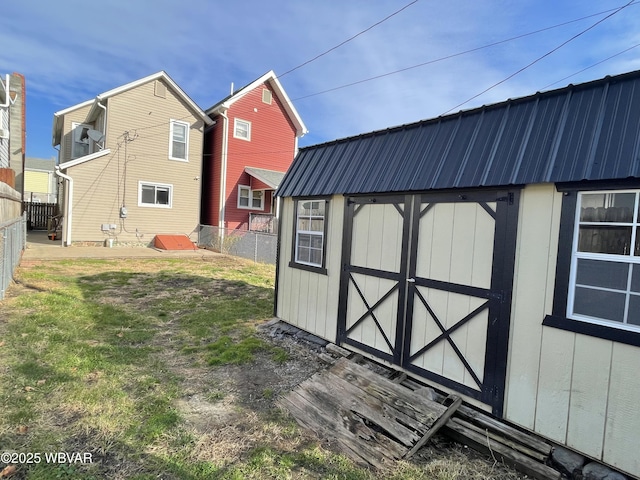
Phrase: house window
{"type": "Point", "coordinates": [242, 129]}
{"type": "Point", "coordinates": [252, 199]}
{"type": "Point", "coordinates": [597, 288]}
{"type": "Point", "coordinates": [310, 233]}
{"type": "Point", "coordinates": [179, 144]}
{"type": "Point", "coordinates": [155, 195]}
{"type": "Point", "coordinates": [80, 136]}
{"type": "Point", "coordinates": [605, 264]}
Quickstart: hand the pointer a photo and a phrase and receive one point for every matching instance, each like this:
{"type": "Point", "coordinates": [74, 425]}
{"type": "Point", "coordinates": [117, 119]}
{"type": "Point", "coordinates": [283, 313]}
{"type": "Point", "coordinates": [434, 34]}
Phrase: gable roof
{"type": "Point", "coordinates": [270, 178]}
{"type": "Point", "coordinates": [269, 77]}
{"type": "Point", "coordinates": [58, 116]}
{"type": "Point", "coordinates": [580, 132]}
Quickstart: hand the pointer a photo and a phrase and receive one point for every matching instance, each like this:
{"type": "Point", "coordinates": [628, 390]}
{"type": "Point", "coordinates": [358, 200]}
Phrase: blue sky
{"type": "Point", "coordinates": [72, 50]}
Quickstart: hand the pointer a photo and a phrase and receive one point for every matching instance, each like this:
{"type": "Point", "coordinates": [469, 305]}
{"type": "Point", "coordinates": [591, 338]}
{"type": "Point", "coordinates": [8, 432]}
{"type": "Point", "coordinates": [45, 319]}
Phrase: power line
{"type": "Point", "coordinates": [591, 66]}
{"type": "Point", "coordinates": [349, 39]}
{"type": "Point", "coordinates": [453, 55]}
{"type": "Point", "coordinates": [539, 58]}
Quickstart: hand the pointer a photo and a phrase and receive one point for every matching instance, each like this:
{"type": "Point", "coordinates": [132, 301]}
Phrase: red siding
{"type": "Point", "coordinates": [272, 146]}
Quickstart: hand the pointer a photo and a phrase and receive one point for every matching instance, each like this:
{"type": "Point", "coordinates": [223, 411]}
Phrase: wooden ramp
{"type": "Point", "coordinates": [374, 420]}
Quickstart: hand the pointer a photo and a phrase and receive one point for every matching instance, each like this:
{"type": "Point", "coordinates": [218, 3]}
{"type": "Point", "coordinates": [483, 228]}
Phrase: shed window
{"type": "Point", "coordinates": [179, 142]}
{"type": "Point", "coordinates": [597, 288]}
{"type": "Point", "coordinates": [605, 264]}
{"type": "Point", "coordinates": [154, 195]}
{"type": "Point", "coordinates": [310, 233]}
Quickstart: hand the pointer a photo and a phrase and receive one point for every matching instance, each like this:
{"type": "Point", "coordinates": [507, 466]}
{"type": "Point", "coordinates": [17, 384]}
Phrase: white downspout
{"type": "Point", "coordinates": [223, 175]}
{"type": "Point", "coordinates": [104, 124]}
{"type": "Point", "coordinates": [69, 206]}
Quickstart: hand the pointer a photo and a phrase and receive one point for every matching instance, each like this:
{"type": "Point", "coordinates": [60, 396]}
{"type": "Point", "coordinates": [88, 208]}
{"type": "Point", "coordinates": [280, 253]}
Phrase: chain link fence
{"type": "Point", "coordinates": [13, 239]}
{"type": "Point", "coordinates": [256, 246]}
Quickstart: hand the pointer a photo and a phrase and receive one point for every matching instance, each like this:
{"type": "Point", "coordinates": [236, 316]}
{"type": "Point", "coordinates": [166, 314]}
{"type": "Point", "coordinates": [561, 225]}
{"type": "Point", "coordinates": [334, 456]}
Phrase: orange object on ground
{"type": "Point", "coordinates": [173, 242]}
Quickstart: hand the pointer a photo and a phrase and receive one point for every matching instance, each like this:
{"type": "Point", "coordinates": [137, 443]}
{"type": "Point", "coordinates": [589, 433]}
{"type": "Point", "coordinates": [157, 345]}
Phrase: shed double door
{"type": "Point", "coordinates": [426, 284]}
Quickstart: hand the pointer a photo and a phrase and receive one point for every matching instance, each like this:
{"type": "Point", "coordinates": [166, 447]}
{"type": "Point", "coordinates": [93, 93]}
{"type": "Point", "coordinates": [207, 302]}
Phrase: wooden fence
{"type": "Point", "coordinates": [38, 214]}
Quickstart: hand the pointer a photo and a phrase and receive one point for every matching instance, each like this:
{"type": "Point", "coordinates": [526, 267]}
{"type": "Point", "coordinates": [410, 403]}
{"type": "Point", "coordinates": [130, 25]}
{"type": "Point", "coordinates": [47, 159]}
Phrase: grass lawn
{"type": "Point", "coordinates": [154, 369]}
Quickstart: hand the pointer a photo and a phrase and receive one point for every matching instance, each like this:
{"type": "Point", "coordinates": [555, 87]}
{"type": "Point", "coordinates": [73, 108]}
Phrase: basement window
{"type": "Point", "coordinates": [309, 246]}
{"type": "Point", "coordinates": [601, 265]}
{"type": "Point", "coordinates": [155, 195]}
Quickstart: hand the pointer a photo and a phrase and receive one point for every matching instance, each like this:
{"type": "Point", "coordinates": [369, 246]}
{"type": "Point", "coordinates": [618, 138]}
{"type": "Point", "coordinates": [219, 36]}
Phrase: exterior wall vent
{"type": "Point", "coordinates": [160, 89]}
{"type": "Point", "coordinates": [266, 96]}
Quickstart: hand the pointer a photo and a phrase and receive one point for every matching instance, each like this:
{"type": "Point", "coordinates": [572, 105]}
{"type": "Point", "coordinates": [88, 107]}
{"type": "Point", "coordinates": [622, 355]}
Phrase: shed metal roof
{"type": "Point", "coordinates": [580, 132]}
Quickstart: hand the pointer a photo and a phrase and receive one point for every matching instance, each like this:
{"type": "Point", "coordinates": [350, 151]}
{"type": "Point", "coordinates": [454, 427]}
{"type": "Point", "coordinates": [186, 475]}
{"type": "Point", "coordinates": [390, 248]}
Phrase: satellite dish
{"type": "Point", "coordinates": [95, 135]}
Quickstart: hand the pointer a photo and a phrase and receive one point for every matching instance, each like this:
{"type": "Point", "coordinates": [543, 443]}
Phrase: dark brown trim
{"type": "Point", "coordinates": [593, 330]}
{"type": "Point", "coordinates": [308, 268]}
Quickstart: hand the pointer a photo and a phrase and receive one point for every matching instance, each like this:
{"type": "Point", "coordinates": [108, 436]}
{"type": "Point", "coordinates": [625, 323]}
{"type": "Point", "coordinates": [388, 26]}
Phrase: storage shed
{"type": "Point", "coordinates": [494, 252]}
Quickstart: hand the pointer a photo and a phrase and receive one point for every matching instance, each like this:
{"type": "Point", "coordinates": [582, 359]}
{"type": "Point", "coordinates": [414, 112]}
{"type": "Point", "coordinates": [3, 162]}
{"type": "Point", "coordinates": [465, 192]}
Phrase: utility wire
{"type": "Point", "coordinates": [539, 58]}
{"type": "Point", "coordinates": [591, 66]}
{"type": "Point", "coordinates": [453, 55]}
{"type": "Point", "coordinates": [349, 39]}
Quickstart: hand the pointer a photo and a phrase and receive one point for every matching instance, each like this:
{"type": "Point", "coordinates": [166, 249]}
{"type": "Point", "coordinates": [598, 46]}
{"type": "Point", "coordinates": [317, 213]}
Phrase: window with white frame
{"type": "Point", "coordinates": [252, 199]}
{"type": "Point", "coordinates": [604, 284]}
{"type": "Point", "coordinates": [80, 145]}
{"type": "Point", "coordinates": [242, 129]}
{"type": "Point", "coordinates": [155, 194]}
{"type": "Point", "coordinates": [179, 140]}
{"type": "Point", "coordinates": [310, 233]}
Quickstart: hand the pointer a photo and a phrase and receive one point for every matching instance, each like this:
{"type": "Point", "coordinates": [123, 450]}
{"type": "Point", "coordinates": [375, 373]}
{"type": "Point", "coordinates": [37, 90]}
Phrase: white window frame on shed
{"type": "Point", "coordinates": [604, 285]}
{"type": "Point", "coordinates": [310, 234]}
{"type": "Point", "coordinates": [76, 143]}
{"type": "Point", "coordinates": [242, 129]}
{"type": "Point", "coordinates": [251, 196]}
{"type": "Point", "coordinates": [157, 187]}
{"type": "Point", "coordinates": [181, 140]}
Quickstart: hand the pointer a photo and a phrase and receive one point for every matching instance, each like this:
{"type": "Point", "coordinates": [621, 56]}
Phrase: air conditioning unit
{"type": "Point", "coordinates": [4, 133]}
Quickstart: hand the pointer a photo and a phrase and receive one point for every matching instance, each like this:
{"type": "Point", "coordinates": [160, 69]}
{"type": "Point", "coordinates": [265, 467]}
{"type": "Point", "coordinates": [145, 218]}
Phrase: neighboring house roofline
{"type": "Point", "coordinates": [269, 77]}
{"type": "Point", "coordinates": [93, 113]}
{"type": "Point", "coordinates": [86, 158]}
{"type": "Point", "coordinates": [273, 178]}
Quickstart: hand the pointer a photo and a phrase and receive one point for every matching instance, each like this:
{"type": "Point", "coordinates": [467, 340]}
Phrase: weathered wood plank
{"type": "Point", "coordinates": [342, 425]}
{"type": "Point", "coordinates": [403, 399]}
{"type": "Point", "coordinates": [467, 436]}
{"type": "Point", "coordinates": [444, 418]}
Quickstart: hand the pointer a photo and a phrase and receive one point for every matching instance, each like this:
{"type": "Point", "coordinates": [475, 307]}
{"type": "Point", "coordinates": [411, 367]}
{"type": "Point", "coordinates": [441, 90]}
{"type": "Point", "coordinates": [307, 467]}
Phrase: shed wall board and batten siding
{"type": "Point", "coordinates": [320, 315]}
{"type": "Point", "coordinates": [536, 248]}
{"type": "Point", "coordinates": [574, 389]}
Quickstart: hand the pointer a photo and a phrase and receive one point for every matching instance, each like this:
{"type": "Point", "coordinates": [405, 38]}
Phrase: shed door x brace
{"type": "Point", "coordinates": [426, 284]}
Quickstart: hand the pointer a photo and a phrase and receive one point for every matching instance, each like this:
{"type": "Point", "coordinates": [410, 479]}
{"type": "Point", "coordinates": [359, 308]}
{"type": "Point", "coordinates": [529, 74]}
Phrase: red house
{"type": "Point", "coordinates": [251, 144]}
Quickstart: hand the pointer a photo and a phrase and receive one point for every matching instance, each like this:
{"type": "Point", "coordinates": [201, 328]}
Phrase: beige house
{"type": "Point", "coordinates": [131, 163]}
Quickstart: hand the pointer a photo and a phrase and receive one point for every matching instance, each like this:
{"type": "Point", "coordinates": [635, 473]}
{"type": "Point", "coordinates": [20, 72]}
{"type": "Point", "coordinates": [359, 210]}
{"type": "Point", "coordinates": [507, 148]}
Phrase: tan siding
{"type": "Point", "coordinates": [538, 227]}
{"type": "Point", "coordinates": [101, 186]}
{"type": "Point", "coordinates": [37, 182]}
{"type": "Point", "coordinates": [306, 299]}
